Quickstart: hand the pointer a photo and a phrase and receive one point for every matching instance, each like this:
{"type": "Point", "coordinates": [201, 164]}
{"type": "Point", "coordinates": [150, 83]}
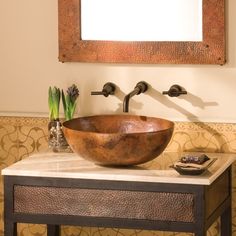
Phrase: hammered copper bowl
{"type": "Point", "coordinates": [119, 140]}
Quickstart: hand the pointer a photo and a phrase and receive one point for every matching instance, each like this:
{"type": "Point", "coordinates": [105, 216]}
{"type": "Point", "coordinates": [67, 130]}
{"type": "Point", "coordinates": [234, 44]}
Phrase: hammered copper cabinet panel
{"type": "Point", "coordinates": [20, 137]}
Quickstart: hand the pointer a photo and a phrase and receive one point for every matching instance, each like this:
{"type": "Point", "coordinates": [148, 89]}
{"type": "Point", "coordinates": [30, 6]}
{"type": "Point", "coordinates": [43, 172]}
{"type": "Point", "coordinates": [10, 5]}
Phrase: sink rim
{"type": "Point", "coordinates": [171, 124]}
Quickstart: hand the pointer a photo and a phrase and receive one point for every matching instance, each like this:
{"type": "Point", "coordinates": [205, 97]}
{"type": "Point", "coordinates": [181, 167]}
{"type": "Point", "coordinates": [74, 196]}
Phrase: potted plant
{"type": "Point", "coordinates": [56, 139]}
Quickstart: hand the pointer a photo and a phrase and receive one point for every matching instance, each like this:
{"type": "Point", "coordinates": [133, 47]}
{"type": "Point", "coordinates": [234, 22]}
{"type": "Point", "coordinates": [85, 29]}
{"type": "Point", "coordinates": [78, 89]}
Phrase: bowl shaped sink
{"type": "Point", "coordinates": [118, 139]}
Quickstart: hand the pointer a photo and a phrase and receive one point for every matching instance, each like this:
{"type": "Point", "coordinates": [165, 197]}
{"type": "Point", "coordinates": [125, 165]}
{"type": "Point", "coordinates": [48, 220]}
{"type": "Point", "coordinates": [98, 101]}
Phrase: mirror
{"type": "Point", "coordinates": [203, 41]}
{"type": "Point", "coordinates": [101, 20]}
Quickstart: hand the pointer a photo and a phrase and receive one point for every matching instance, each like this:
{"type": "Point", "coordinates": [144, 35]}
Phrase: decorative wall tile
{"type": "Point", "coordinates": [8, 144]}
{"type": "Point", "coordinates": [8, 154]}
{"type": "Point", "coordinates": [22, 136]}
{"type": "Point", "coordinates": [205, 137]}
{"type": "Point", "coordinates": [31, 140]}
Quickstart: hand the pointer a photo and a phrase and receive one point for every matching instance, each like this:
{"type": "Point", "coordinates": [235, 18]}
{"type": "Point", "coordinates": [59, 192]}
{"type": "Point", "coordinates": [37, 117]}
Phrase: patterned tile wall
{"type": "Point", "coordinates": [20, 137]}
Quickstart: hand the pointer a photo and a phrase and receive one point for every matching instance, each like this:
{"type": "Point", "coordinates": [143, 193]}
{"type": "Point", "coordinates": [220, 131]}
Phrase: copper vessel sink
{"type": "Point", "coordinates": [119, 140]}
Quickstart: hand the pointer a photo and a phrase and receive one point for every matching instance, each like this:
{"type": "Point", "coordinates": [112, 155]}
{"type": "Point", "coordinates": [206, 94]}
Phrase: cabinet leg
{"type": "Point", "coordinates": [10, 228]}
{"type": "Point", "coordinates": [53, 230]}
{"type": "Point", "coordinates": [226, 219]}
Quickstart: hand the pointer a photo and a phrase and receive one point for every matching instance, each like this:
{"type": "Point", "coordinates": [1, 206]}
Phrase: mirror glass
{"type": "Point", "coordinates": [142, 20]}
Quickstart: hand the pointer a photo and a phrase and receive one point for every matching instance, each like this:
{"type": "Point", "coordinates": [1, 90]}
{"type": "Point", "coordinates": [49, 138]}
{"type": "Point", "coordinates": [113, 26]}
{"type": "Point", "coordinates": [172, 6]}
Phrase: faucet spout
{"type": "Point", "coordinates": [141, 87]}
{"type": "Point", "coordinates": [127, 98]}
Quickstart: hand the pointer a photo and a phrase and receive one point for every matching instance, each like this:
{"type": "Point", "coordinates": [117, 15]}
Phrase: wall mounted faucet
{"type": "Point", "coordinates": [108, 89]}
{"type": "Point", "coordinates": [141, 87]}
{"type": "Point", "coordinates": [175, 91]}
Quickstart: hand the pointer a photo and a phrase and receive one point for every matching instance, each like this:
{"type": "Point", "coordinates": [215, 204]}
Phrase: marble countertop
{"type": "Point", "coordinates": [70, 165]}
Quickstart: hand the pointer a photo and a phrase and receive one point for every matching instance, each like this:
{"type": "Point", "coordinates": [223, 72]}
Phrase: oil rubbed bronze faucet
{"type": "Point", "coordinates": [175, 91]}
{"type": "Point", "coordinates": [141, 87]}
{"type": "Point", "coordinates": [108, 89]}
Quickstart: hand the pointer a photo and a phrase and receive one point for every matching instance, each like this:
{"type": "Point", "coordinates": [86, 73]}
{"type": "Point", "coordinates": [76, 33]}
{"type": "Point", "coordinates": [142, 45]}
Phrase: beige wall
{"type": "Point", "coordinates": [29, 65]}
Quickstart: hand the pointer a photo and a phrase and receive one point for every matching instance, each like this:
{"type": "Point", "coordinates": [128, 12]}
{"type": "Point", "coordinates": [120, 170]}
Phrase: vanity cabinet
{"type": "Point", "coordinates": [90, 195]}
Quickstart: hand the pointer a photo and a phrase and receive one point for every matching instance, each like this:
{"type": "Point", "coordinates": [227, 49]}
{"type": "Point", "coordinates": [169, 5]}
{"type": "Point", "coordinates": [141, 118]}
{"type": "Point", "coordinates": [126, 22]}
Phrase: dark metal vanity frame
{"type": "Point", "coordinates": [203, 204]}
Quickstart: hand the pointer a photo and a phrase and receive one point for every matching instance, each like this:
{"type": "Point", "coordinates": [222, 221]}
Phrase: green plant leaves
{"type": "Point", "coordinates": [68, 101]}
{"type": "Point", "coordinates": [54, 96]}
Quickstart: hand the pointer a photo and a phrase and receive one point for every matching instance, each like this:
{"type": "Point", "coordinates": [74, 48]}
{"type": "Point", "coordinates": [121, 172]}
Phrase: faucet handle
{"type": "Point", "coordinates": [98, 93]}
{"type": "Point", "coordinates": [142, 86]}
{"type": "Point", "coordinates": [175, 91]}
{"type": "Point", "coordinates": [108, 89]}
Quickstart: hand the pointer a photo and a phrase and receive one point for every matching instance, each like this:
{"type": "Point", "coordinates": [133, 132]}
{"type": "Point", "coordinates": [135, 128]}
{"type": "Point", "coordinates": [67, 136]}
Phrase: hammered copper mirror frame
{"type": "Point", "coordinates": [210, 51]}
